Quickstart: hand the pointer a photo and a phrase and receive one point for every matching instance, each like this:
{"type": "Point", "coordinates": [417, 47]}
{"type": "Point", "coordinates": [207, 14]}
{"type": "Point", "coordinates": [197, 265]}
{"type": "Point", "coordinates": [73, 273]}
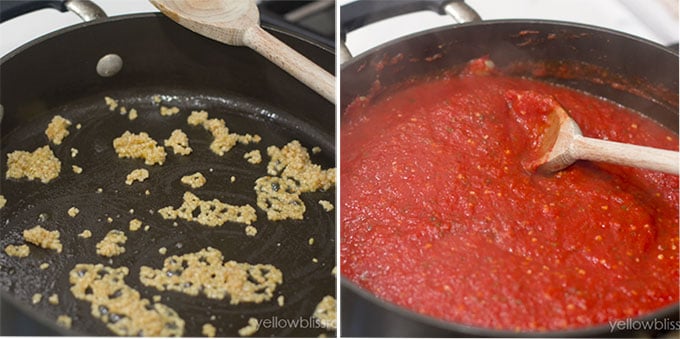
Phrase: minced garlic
{"type": "Point", "coordinates": [120, 306]}
{"type": "Point", "coordinates": [292, 161]}
{"type": "Point", "coordinates": [291, 172]}
{"type": "Point", "coordinates": [249, 329]}
{"type": "Point", "coordinates": [197, 118]}
{"type": "Point", "coordinates": [179, 142]}
{"type": "Point", "coordinates": [223, 141]}
{"type": "Point", "coordinates": [53, 299]}
{"type": "Point", "coordinates": [195, 180]}
{"type": "Point", "coordinates": [112, 103]}
{"type": "Point", "coordinates": [19, 251]}
{"type": "Point", "coordinates": [139, 174]}
{"type": "Point", "coordinates": [73, 211]}
{"type": "Point", "coordinates": [43, 238]}
{"type": "Point", "coordinates": [280, 198]}
{"type": "Point", "coordinates": [39, 164]}
{"type": "Point", "coordinates": [57, 129]}
{"type": "Point", "coordinates": [253, 157]}
{"type": "Point", "coordinates": [135, 225]}
{"type": "Point", "coordinates": [206, 272]}
{"type": "Point", "coordinates": [326, 313]}
{"type": "Point", "coordinates": [112, 244]}
{"type": "Point", "coordinates": [208, 330]}
{"type": "Point", "coordinates": [327, 205]}
{"type": "Point", "coordinates": [212, 213]}
{"type": "Point", "coordinates": [64, 321]}
{"type": "Point", "coordinates": [85, 234]}
{"type": "Point", "coordinates": [168, 111]}
{"type": "Point", "coordinates": [140, 145]}
{"type": "Point", "coordinates": [251, 231]}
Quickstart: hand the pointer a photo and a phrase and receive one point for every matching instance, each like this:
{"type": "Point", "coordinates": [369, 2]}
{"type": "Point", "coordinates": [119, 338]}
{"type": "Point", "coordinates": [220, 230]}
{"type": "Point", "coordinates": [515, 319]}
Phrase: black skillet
{"type": "Point", "coordinates": [631, 71]}
{"type": "Point", "coordinates": [56, 74]}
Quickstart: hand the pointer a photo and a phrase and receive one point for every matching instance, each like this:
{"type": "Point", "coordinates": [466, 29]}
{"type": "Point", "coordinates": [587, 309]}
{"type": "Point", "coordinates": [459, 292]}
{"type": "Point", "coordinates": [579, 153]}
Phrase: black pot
{"type": "Point", "coordinates": [631, 71]}
{"type": "Point", "coordinates": [56, 74]}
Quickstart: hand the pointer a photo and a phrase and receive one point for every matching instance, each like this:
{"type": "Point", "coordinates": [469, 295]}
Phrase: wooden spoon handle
{"type": "Point", "coordinates": [627, 154]}
{"type": "Point", "coordinates": [291, 61]}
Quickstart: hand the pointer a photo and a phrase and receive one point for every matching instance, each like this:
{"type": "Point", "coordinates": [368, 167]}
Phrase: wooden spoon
{"type": "Point", "coordinates": [563, 143]}
{"type": "Point", "coordinates": [237, 23]}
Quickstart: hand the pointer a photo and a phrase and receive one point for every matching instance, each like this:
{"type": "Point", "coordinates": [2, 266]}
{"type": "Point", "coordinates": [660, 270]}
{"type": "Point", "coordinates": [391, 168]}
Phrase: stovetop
{"type": "Point", "coordinates": [311, 19]}
{"type": "Point", "coordinates": [655, 20]}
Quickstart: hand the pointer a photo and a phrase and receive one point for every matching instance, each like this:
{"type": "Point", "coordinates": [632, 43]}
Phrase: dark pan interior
{"type": "Point", "coordinates": [192, 82]}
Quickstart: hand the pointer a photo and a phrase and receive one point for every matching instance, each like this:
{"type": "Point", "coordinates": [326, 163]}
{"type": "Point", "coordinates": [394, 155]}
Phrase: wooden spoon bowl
{"type": "Point", "coordinates": [562, 143]}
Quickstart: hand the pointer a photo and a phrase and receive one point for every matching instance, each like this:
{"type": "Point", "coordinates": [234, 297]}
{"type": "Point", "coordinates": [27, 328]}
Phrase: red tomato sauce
{"type": "Point", "coordinates": [439, 215]}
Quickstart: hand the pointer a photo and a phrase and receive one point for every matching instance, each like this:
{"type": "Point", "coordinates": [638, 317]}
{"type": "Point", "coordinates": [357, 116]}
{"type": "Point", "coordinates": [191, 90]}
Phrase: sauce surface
{"type": "Point", "coordinates": [440, 216]}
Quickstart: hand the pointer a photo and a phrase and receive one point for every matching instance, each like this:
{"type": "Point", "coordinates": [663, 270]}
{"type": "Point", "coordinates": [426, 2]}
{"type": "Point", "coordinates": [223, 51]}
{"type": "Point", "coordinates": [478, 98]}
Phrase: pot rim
{"type": "Point", "coordinates": [566, 24]}
{"type": "Point", "coordinates": [670, 311]}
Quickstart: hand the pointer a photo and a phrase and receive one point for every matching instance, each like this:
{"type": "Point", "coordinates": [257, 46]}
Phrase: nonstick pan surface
{"type": "Point", "coordinates": [285, 244]}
